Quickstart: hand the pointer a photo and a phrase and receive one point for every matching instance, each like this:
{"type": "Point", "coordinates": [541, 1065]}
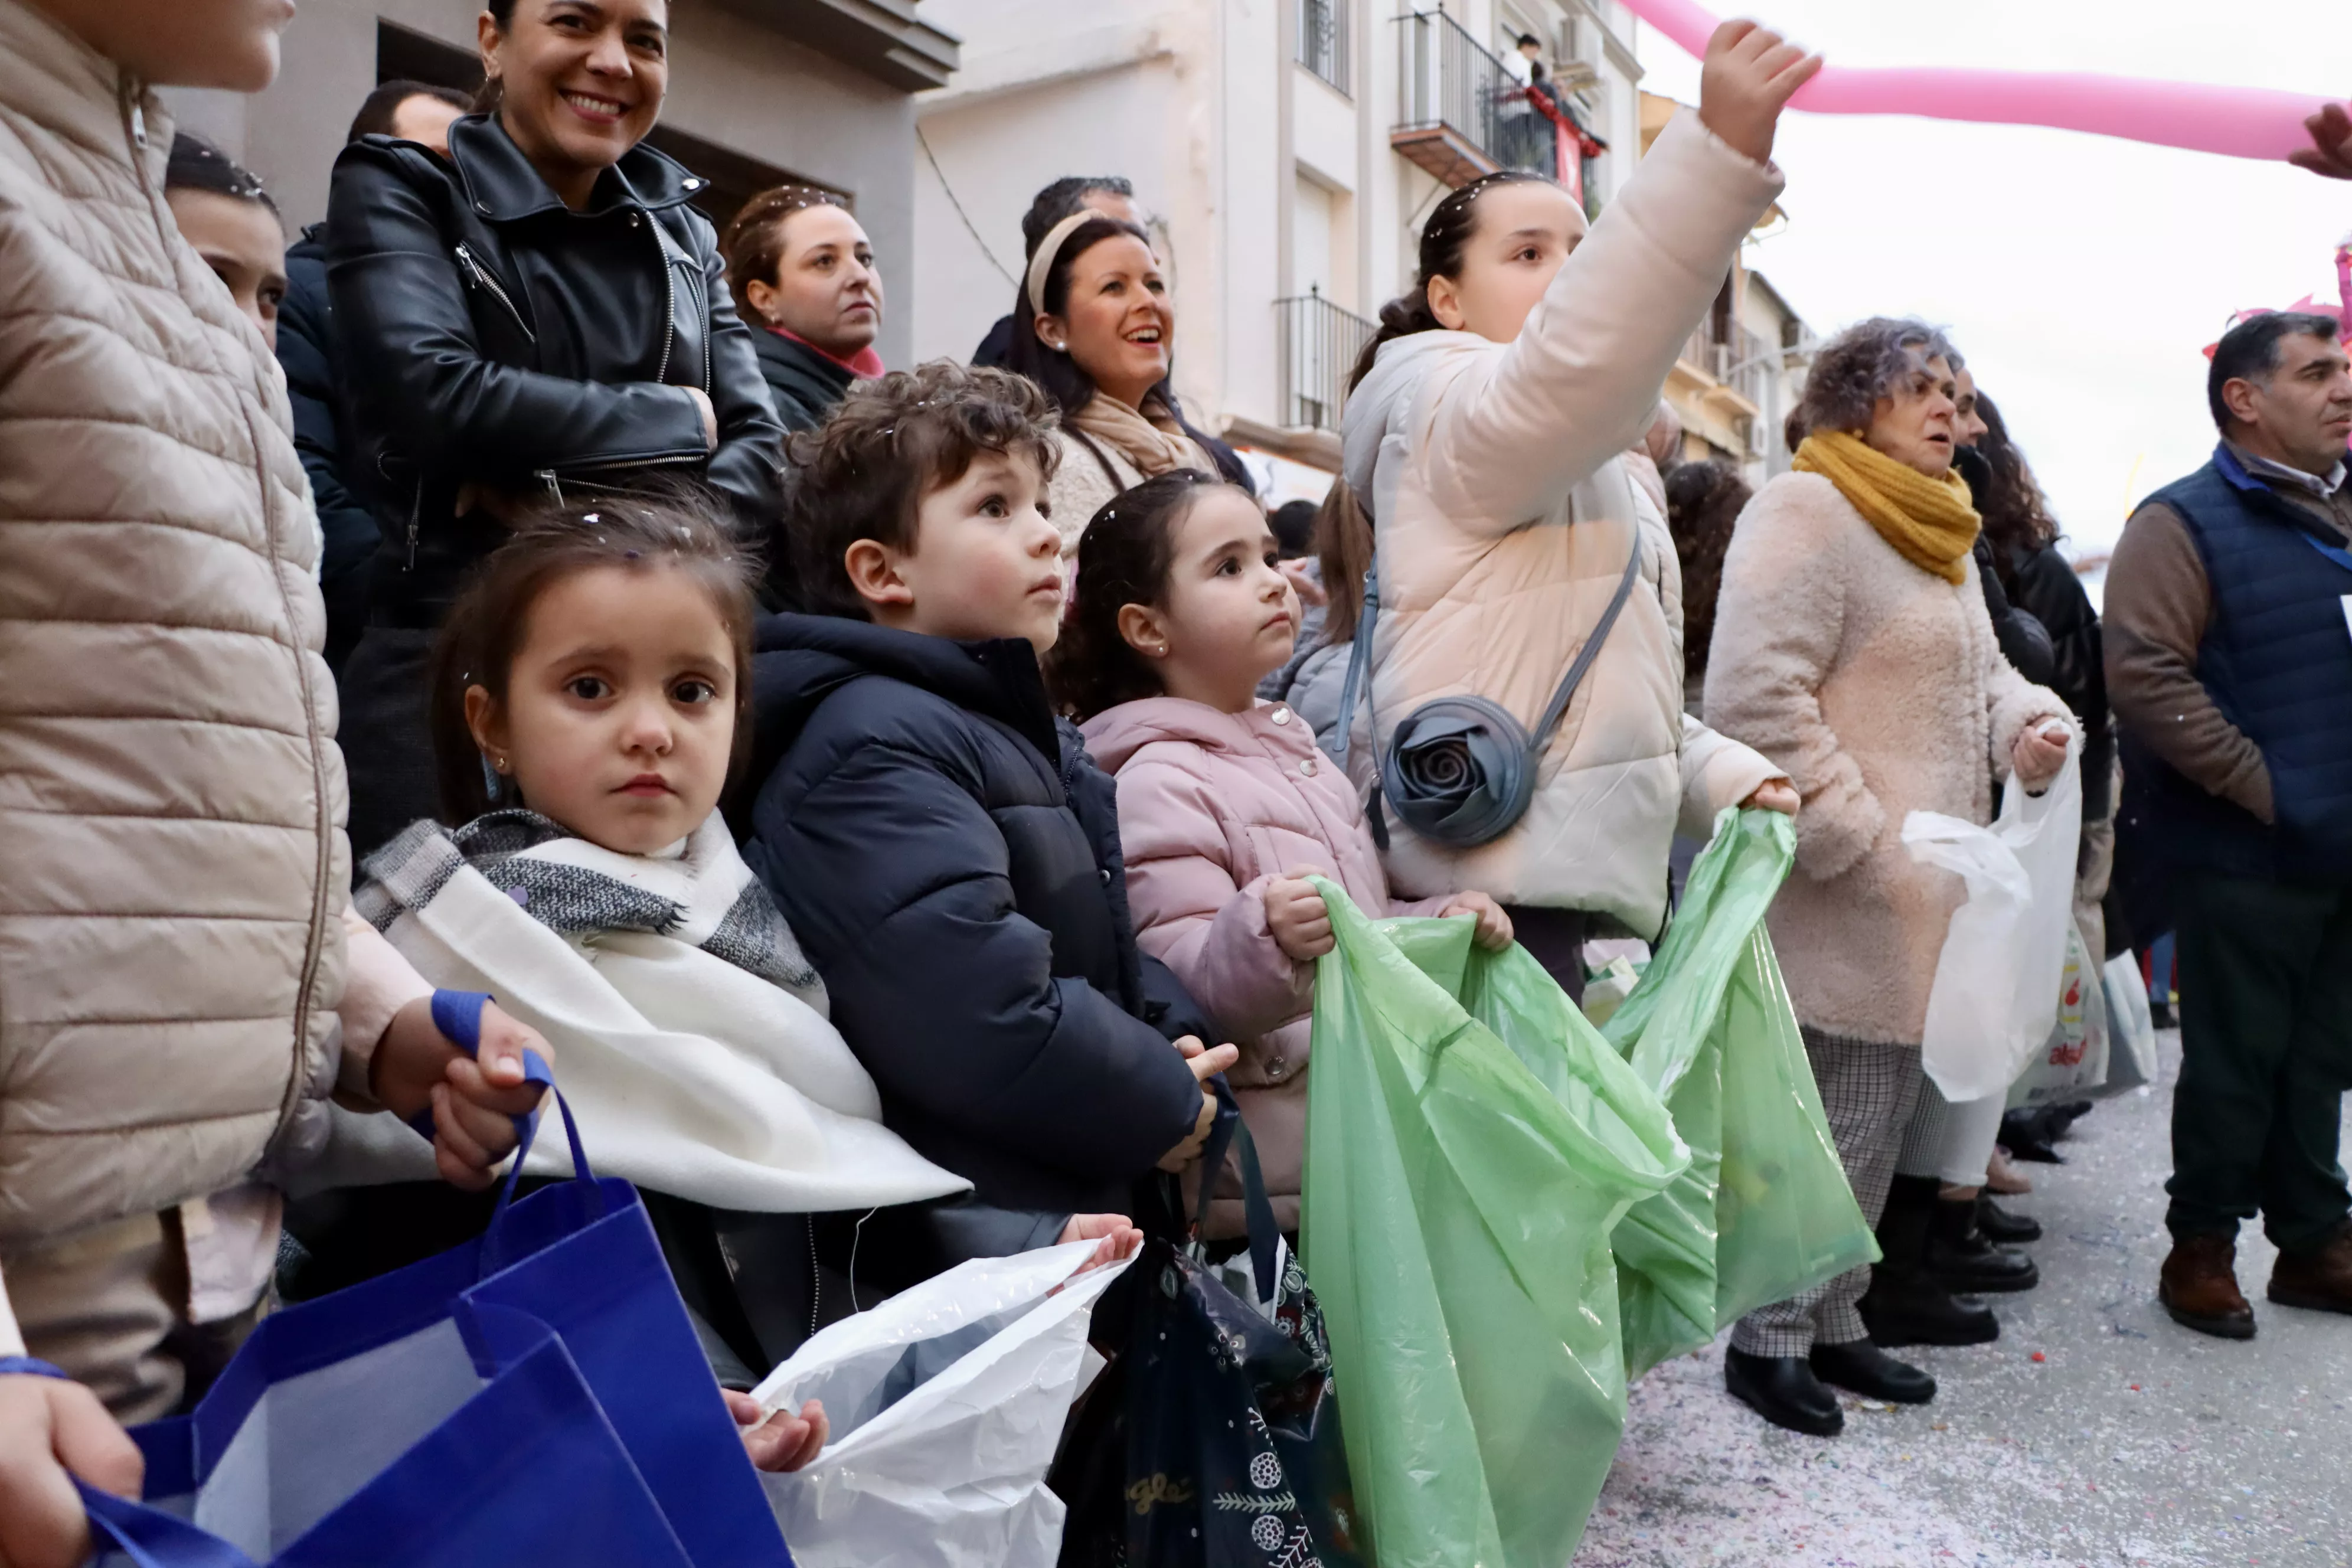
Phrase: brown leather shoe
{"type": "Point", "coordinates": [2198, 1286]}
{"type": "Point", "coordinates": [2320, 1280]}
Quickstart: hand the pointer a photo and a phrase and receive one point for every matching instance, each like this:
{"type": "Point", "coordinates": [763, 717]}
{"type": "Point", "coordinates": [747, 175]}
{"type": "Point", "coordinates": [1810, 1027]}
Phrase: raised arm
{"type": "Point", "coordinates": [410, 351]}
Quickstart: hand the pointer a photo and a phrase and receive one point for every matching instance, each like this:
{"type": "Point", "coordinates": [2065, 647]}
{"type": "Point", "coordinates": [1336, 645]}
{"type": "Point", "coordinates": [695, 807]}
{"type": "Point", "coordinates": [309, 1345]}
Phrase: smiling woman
{"type": "Point", "coordinates": [1094, 325]}
{"type": "Point", "coordinates": [539, 315]}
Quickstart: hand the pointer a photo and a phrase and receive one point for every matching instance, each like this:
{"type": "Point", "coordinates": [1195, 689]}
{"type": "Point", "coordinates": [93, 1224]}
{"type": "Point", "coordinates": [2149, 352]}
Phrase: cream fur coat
{"type": "Point", "coordinates": [1880, 690]}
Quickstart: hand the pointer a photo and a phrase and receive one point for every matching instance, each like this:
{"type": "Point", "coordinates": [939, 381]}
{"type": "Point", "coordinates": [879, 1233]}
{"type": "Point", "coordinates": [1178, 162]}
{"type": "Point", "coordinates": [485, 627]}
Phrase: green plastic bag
{"type": "Point", "coordinates": [1763, 1211]}
{"type": "Point", "coordinates": [1456, 1216]}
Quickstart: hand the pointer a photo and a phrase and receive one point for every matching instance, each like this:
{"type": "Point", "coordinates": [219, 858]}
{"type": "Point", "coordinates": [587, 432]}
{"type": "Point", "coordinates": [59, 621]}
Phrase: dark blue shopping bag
{"type": "Point", "coordinates": [535, 1395]}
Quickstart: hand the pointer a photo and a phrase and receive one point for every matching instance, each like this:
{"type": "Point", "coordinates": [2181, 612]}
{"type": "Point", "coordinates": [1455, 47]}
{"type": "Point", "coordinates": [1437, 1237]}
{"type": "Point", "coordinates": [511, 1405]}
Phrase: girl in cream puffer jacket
{"type": "Point", "coordinates": [1505, 512]}
{"type": "Point", "coordinates": [1225, 804]}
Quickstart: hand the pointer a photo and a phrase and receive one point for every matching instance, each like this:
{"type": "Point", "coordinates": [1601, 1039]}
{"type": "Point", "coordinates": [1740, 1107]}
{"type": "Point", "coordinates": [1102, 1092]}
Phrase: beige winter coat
{"type": "Point", "coordinates": [1881, 690]}
{"type": "Point", "coordinates": [172, 863]}
{"type": "Point", "coordinates": [1504, 515]}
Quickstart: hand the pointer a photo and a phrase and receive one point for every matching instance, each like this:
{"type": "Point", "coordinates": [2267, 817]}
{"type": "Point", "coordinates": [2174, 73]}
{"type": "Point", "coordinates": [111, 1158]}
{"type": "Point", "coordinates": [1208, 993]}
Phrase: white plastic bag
{"type": "Point", "coordinates": [1996, 992]}
{"type": "Point", "coordinates": [2073, 1063]}
{"type": "Point", "coordinates": [946, 1402]}
{"type": "Point", "coordinates": [2131, 1051]}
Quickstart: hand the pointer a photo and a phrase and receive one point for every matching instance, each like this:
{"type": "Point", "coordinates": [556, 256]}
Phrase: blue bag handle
{"type": "Point", "coordinates": [458, 1015]}
{"type": "Point", "coordinates": [151, 1538]}
{"type": "Point", "coordinates": [1229, 1132]}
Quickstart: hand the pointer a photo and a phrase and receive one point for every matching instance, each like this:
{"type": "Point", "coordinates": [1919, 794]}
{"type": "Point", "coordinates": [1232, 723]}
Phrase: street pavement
{"type": "Point", "coordinates": [2097, 1432]}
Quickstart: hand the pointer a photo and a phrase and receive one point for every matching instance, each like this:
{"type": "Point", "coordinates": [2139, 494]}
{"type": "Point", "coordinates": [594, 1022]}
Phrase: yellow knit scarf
{"type": "Point", "coordinates": [1928, 522]}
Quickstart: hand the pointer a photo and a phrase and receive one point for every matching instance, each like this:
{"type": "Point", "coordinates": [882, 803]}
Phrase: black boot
{"type": "Point", "coordinates": [1784, 1390]}
{"type": "Point", "coordinates": [1998, 1225]}
{"type": "Point", "coordinates": [1960, 1257]}
{"type": "Point", "coordinates": [1903, 1305]}
{"type": "Point", "coordinates": [2028, 1135]}
{"type": "Point", "coordinates": [1870, 1372]}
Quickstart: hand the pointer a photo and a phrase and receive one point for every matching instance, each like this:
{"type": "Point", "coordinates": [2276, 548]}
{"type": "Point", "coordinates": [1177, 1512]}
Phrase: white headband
{"type": "Point", "coordinates": [1047, 248]}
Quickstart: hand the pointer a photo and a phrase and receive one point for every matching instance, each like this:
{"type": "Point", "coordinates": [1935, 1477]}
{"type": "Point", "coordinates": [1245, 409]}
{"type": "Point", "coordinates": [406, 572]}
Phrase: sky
{"type": "Point", "coordinates": [2081, 277]}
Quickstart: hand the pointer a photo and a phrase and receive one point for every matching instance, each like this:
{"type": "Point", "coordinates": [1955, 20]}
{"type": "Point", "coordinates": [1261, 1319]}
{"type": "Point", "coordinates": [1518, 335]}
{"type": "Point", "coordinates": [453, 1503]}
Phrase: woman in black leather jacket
{"type": "Point", "coordinates": [540, 314]}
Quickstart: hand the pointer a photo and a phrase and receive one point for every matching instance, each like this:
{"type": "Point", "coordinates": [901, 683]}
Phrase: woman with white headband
{"type": "Point", "coordinates": [1094, 326]}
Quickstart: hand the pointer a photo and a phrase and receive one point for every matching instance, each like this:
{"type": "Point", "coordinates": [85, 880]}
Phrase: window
{"type": "Point", "coordinates": [1324, 42]}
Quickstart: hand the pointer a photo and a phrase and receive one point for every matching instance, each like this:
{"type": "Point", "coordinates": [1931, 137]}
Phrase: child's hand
{"type": "Point", "coordinates": [1296, 916]}
{"type": "Point", "coordinates": [2330, 153]}
{"type": "Point", "coordinates": [780, 1442]}
{"type": "Point", "coordinates": [1747, 78]}
{"type": "Point", "coordinates": [1494, 925]}
{"type": "Point", "coordinates": [1205, 1063]}
{"type": "Point", "coordinates": [1774, 795]}
{"type": "Point", "coordinates": [1119, 1237]}
{"type": "Point", "coordinates": [51, 1431]}
{"type": "Point", "coordinates": [475, 1100]}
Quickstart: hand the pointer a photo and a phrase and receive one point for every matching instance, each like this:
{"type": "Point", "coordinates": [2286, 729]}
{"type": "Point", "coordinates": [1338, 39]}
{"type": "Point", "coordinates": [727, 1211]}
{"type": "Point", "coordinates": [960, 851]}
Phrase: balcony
{"type": "Point", "coordinates": [1319, 341]}
{"type": "Point", "coordinates": [1325, 40]}
{"type": "Point", "coordinates": [1460, 114]}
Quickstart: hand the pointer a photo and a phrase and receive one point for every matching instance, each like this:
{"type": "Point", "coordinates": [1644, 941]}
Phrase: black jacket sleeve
{"type": "Point", "coordinates": [897, 883]}
{"type": "Point", "coordinates": [2023, 640]}
{"type": "Point", "coordinates": [306, 350]}
{"type": "Point", "coordinates": [2048, 589]}
{"type": "Point", "coordinates": [409, 347]}
{"type": "Point", "coordinates": [747, 465]}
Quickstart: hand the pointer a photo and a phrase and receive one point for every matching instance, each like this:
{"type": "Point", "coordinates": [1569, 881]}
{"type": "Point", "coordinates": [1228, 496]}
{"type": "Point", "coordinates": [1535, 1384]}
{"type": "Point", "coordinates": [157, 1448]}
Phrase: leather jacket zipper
{"type": "Point", "coordinates": [482, 277]}
{"type": "Point", "coordinates": [670, 299]}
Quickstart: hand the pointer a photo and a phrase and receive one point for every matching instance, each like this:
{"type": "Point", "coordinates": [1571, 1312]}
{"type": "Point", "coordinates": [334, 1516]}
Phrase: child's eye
{"type": "Point", "coordinates": [694, 692]}
{"type": "Point", "coordinates": [587, 687]}
{"type": "Point", "coordinates": [994, 506]}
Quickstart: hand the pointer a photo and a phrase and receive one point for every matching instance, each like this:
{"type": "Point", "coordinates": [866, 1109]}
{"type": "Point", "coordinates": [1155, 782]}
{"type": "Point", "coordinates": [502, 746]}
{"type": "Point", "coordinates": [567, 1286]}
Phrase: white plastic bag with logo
{"type": "Point", "coordinates": [2073, 1063]}
{"type": "Point", "coordinates": [946, 1403]}
{"type": "Point", "coordinates": [1995, 999]}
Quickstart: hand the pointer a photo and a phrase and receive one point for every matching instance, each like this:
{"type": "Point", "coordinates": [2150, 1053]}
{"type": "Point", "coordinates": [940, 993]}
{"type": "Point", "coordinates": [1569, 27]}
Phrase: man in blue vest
{"type": "Point", "coordinates": [2229, 658]}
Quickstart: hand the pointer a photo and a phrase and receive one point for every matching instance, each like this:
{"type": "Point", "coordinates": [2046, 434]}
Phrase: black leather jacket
{"type": "Point", "coordinates": [491, 335]}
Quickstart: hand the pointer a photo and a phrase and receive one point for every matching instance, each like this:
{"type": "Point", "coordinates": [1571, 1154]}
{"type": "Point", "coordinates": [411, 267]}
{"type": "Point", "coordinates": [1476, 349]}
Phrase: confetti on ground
{"type": "Point", "coordinates": [2129, 1442]}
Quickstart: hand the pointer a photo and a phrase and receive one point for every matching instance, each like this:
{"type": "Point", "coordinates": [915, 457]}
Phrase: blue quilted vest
{"type": "Point", "coordinates": [2277, 659]}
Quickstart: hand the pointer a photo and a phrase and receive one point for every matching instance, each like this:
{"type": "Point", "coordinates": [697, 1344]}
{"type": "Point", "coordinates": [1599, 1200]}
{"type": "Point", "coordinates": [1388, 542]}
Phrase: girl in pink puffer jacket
{"type": "Point", "coordinates": [1224, 804]}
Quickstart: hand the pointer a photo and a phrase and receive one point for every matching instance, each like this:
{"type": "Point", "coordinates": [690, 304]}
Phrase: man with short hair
{"type": "Point", "coordinates": [1110, 195]}
{"type": "Point", "coordinates": [408, 111]}
{"type": "Point", "coordinates": [2229, 662]}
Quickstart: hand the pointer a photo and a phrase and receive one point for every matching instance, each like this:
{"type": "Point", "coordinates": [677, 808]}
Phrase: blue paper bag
{"type": "Point", "coordinates": [535, 1395]}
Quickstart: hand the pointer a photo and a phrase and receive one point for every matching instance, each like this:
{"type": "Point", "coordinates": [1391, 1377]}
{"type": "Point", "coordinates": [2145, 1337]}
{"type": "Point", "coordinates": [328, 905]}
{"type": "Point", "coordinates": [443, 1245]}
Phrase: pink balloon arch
{"type": "Point", "coordinates": [2236, 121]}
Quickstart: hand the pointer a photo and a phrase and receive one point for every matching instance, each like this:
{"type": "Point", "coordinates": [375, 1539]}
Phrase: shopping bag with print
{"type": "Point", "coordinates": [2074, 1064]}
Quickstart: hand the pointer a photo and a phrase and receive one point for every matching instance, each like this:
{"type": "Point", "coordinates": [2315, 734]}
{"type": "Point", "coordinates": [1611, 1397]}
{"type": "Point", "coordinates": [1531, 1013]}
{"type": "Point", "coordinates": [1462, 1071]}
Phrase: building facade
{"type": "Point", "coordinates": [1287, 152]}
{"type": "Point", "coordinates": [760, 91]}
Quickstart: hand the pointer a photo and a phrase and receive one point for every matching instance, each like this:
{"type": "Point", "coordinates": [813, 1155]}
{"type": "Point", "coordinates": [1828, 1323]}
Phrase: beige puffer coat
{"type": "Point", "coordinates": [1505, 512]}
{"type": "Point", "coordinates": [172, 862]}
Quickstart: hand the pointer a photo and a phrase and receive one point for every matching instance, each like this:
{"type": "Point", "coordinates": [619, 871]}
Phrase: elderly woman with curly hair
{"type": "Point", "coordinates": [1852, 647]}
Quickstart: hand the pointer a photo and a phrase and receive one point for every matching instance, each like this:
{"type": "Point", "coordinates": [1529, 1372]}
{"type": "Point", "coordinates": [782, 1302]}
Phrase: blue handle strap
{"type": "Point", "coordinates": [151, 1538]}
{"type": "Point", "coordinates": [458, 1015]}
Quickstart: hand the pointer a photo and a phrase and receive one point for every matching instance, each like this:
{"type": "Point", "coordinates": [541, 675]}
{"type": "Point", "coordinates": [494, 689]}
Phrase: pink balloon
{"type": "Point", "coordinates": [2236, 121]}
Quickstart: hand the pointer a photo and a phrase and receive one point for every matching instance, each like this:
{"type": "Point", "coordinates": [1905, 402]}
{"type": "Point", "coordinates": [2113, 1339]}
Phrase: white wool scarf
{"type": "Point", "coordinates": [689, 1033]}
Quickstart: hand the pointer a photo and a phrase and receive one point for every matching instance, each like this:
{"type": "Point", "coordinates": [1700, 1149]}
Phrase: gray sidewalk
{"type": "Point", "coordinates": [2130, 1441]}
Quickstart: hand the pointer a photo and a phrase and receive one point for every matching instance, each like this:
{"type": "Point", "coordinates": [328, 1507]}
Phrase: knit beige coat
{"type": "Point", "coordinates": [1880, 690]}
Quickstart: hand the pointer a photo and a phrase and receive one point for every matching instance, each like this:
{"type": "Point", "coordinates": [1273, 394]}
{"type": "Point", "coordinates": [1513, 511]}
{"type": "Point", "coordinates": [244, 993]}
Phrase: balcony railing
{"type": "Point", "coordinates": [1319, 342]}
{"type": "Point", "coordinates": [1325, 39]}
{"type": "Point", "coordinates": [1459, 113]}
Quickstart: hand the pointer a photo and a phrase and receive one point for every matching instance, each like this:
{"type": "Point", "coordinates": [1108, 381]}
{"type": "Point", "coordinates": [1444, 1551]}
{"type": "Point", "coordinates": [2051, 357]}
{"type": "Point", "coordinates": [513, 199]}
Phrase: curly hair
{"type": "Point", "coordinates": [1124, 557]}
{"type": "Point", "coordinates": [1703, 501]}
{"type": "Point", "coordinates": [683, 528]}
{"type": "Point", "coordinates": [2017, 520]}
{"type": "Point", "coordinates": [1856, 368]}
{"type": "Point", "coordinates": [864, 473]}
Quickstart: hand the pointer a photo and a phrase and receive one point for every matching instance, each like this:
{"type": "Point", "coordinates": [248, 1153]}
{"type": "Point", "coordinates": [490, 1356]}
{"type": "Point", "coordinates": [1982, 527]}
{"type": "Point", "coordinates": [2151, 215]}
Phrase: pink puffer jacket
{"type": "Point", "coordinates": [1212, 807]}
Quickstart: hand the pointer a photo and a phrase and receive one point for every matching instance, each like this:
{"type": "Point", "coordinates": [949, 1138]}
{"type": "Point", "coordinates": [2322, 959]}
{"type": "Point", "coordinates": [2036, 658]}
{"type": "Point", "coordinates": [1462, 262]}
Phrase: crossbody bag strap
{"type": "Point", "coordinates": [1360, 658]}
{"type": "Point", "coordinates": [1558, 707]}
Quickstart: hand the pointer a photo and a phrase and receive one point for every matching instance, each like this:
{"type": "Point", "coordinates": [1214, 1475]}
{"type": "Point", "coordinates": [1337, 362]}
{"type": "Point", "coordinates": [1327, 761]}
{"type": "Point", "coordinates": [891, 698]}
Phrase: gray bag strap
{"type": "Point", "coordinates": [1360, 658]}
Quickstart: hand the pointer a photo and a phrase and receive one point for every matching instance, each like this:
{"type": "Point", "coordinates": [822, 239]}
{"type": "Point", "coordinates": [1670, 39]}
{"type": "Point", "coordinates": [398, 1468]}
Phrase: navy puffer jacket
{"type": "Point", "coordinates": [949, 857]}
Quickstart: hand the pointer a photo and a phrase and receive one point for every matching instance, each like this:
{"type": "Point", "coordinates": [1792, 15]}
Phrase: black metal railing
{"type": "Point", "coordinates": [1319, 342]}
{"type": "Point", "coordinates": [1325, 39]}
{"type": "Point", "coordinates": [1444, 79]}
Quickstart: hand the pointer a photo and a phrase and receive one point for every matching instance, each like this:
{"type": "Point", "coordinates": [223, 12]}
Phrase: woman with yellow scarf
{"type": "Point", "coordinates": [1852, 647]}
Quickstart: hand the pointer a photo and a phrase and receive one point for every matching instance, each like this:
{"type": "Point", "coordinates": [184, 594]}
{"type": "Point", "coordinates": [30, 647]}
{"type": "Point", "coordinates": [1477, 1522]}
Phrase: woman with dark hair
{"type": "Point", "coordinates": [1094, 326]}
{"type": "Point", "coordinates": [1703, 500]}
{"type": "Point", "coordinates": [1487, 437]}
{"type": "Point", "coordinates": [803, 269]}
{"type": "Point", "coordinates": [542, 314]}
{"type": "Point", "coordinates": [1853, 647]}
{"type": "Point", "coordinates": [221, 210]}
